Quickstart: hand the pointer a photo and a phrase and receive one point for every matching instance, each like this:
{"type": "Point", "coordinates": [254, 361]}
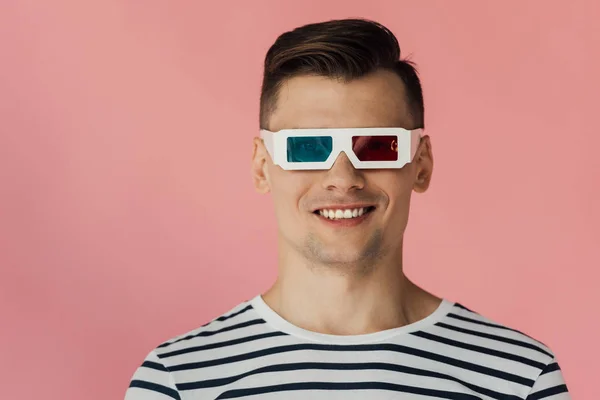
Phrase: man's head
{"type": "Point", "coordinates": [341, 74]}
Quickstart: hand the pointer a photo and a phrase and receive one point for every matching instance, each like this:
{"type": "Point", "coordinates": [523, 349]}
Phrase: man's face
{"type": "Point", "coordinates": [377, 100]}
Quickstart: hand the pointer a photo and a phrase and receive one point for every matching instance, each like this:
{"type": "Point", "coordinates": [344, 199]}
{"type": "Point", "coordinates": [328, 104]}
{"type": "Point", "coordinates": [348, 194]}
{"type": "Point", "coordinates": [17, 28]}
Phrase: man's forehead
{"type": "Point", "coordinates": [320, 102]}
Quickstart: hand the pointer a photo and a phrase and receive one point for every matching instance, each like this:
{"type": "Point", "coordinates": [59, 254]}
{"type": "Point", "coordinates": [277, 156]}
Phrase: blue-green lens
{"type": "Point", "coordinates": [309, 148]}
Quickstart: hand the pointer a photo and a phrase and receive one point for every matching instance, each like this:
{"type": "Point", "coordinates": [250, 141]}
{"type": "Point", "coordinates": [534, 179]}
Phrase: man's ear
{"type": "Point", "coordinates": [260, 175]}
{"type": "Point", "coordinates": [424, 165]}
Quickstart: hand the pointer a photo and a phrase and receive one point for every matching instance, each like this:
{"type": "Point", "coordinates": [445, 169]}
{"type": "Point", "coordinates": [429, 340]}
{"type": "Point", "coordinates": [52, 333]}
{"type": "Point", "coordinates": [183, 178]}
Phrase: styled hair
{"type": "Point", "coordinates": [344, 49]}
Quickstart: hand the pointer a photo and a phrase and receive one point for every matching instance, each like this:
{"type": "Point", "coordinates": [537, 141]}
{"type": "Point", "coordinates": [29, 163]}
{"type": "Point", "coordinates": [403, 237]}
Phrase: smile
{"type": "Point", "coordinates": [348, 213]}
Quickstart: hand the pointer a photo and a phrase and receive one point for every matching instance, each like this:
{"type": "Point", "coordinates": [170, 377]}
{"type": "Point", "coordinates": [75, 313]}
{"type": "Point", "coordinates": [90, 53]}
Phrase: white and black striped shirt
{"type": "Point", "coordinates": [251, 352]}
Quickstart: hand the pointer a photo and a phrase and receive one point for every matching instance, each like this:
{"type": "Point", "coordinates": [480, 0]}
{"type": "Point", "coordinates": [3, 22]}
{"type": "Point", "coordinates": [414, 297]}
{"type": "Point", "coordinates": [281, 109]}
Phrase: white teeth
{"type": "Point", "coordinates": [342, 214]}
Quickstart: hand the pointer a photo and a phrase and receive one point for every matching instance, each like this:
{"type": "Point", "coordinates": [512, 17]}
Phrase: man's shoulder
{"type": "Point", "coordinates": [471, 322]}
{"type": "Point", "coordinates": [239, 316]}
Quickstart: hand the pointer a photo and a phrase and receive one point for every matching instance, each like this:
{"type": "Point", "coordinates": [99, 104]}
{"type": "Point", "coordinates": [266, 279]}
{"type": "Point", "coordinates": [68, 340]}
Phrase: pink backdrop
{"type": "Point", "coordinates": [121, 227]}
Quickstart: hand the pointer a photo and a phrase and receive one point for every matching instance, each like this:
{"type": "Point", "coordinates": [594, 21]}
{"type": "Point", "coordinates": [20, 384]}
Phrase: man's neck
{"type": "Point", "coordinates": [332, 302]}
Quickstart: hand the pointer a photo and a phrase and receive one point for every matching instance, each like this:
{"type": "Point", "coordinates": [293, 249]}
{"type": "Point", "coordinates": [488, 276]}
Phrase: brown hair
{"type": "Point", "coordinates": [343, 49]}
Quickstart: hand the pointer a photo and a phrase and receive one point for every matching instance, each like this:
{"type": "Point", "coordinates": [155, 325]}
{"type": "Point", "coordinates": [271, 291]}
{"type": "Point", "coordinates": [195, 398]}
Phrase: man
{"type": "Point", "coordinates": [341, 150]}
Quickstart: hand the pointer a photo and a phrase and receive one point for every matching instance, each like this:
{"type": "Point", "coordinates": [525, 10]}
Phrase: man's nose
{"type": "Point", "coordinates": [343, 176]}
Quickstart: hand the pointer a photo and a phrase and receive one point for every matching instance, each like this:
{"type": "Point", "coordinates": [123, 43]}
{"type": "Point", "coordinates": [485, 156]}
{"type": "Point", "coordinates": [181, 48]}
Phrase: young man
{"type": "Point", "coordinates": [341, 150]}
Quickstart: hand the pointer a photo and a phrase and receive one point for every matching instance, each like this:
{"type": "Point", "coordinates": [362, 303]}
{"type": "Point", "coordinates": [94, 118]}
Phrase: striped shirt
{"type": "Point", "coordinates": [251, 352]}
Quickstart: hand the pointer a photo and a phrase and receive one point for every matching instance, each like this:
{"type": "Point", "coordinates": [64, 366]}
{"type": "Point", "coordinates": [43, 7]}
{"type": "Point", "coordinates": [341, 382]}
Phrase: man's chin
{"type": "Point", "coordinates": [343, 250]}
{"type": "Point", "coordinates": [338, 255]}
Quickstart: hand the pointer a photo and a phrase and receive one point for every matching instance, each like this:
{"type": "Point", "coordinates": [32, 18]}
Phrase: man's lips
{"type": "Point", "coordinates": [344, 207]}
{"type": "Point", "coordinates": [344, 218]}
{"type": "Point", "coordinates": [346, 213]}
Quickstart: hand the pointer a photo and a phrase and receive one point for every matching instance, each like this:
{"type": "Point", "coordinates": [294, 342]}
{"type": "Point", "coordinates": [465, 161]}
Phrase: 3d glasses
{"type": "Point", "coordinates": [317, 149]}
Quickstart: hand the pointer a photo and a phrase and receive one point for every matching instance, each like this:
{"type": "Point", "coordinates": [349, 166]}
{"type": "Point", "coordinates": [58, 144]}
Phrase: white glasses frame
{"type": "Point", "coordinates": [276, 144]}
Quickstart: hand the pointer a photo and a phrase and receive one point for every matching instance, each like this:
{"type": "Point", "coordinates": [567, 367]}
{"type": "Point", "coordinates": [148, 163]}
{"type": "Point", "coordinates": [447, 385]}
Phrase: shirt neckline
{"type": "Point", "coordinates": [281, 324]}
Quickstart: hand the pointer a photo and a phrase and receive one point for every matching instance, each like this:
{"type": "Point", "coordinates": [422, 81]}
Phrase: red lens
{"type": "Point", "coordinates": [375, 148]}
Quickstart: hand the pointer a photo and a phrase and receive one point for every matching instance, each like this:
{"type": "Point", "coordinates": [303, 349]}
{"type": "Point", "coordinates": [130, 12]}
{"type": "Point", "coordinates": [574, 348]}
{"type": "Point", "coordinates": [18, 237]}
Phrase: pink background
{"type": "Point", "coordinates": [120, 226]}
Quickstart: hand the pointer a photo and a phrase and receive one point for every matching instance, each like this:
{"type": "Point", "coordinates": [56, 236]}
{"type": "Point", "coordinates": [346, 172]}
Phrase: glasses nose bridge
{"type": "Point", "coordinates": [339, 156]}
{"type": "Point", "coordinates": [343, 145]}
